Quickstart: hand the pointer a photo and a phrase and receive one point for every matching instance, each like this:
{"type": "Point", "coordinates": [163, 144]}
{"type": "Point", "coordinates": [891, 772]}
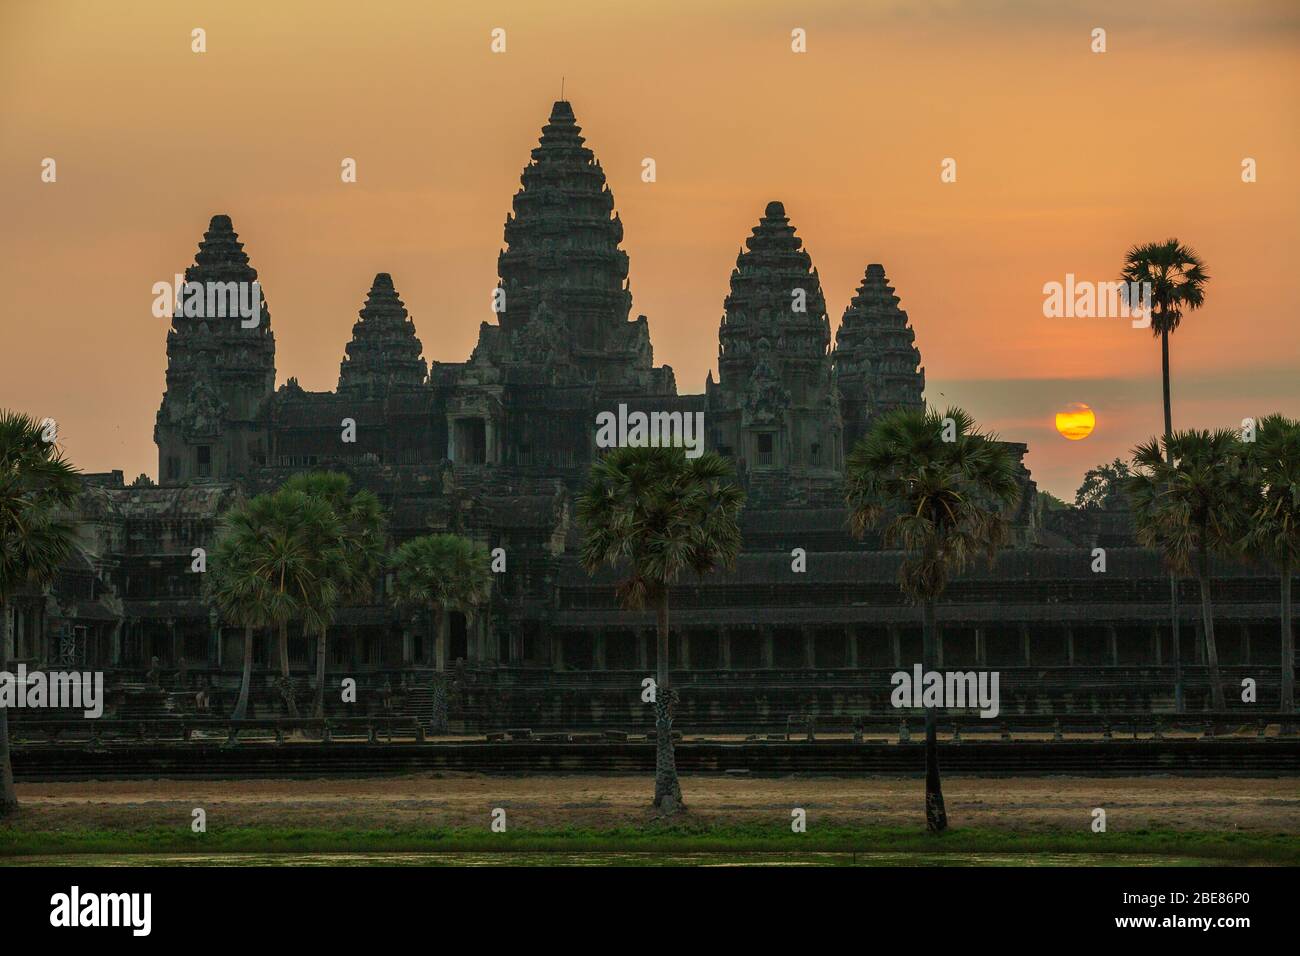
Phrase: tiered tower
{"type": "Point", "coordinates": [774, 407]}
{"type": "Point", "coordinates": [562, 273]}
{"type": "Point", "coordinates": [384, 354]}
{"type": "Point", "coordinates": [877, 363]}
{"type": "Point", "coordinates": [220, 368]}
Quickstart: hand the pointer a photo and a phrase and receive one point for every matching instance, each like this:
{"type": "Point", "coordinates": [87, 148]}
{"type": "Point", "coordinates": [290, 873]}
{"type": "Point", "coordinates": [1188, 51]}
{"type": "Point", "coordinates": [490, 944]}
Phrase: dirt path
{"type": "Point", "coordinates": [1039, 803]}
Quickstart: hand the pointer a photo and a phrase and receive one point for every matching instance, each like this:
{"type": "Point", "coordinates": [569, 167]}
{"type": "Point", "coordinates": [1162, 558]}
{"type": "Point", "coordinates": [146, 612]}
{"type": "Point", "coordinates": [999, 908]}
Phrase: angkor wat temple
{"type": "Point", "coordinates": [496, 447]}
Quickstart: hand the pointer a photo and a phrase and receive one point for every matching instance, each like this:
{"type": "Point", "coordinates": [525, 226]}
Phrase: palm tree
{"type": "Point", "coordinates": [1275, 523]}
{"type": "Point", "coordinates": [35, 481]}
{"type": "Point", "coordinates": [658, 513]}
{"type": "Point", "coordinates": [240, 595]}
{"type": "Point", "coordinates": [942, 502]}
{"type": "Point", "coordinates": [361, 523]}
{"type": "Point", "coordinates": [1176, 278]}
{"type": "Point", "coordinates": [276, 561]}
{"type": "Point", "coordinates": [1190, 497]}
{"type": "Point", "coordinates": [445, 573]}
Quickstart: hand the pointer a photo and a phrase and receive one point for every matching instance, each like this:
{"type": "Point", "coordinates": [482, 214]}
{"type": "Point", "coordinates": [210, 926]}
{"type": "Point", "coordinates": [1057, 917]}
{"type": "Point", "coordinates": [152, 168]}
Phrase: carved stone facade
{"type": "Point", "coordinates": [495, 448]}
{"type": "Point", "coordinates": [775, 408]}
{"type": "Point", "coordinates": [563, 350]}
{"type": "Point", "coordinates": [219, 372]}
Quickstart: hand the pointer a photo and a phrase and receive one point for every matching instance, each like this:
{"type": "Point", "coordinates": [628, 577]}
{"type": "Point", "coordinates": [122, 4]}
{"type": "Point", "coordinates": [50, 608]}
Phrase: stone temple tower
{"type": "Point", "coordinates": [877, 363]}
{"type": "Point", "coordinates": [220, 369]}
{"type": "Point", "coordinates": [562, 273]}
{"type": "Point", "coordinates": [384, 353]}
{"type": "Point", "coordinates": [774, 408]}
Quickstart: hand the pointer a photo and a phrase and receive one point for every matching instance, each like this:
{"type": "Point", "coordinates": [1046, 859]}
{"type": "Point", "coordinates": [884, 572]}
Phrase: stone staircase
{"type": "Point", "coordinates": [419, 704]}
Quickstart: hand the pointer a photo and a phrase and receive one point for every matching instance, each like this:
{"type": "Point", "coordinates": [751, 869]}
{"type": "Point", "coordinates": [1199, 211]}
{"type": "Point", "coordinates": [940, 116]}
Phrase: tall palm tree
{"type": "Point", "coordinates": [35, 482]}
{"type": "Point", "coordinates": [280, 554]}
{"type": "Point", "coordinates": [241, 595]}
{"type": "Point", "coordinates": [361, 544]}
{"type": "Point", "coordinates": [658, 513]}
{"type": "Point", "coordinates": [1176, 277]}
{"type": "Point", "coordinates": [1274, 525]}
{"type": "Point", "coordinates": [444, 573]}
{"type": "Point", "coordinates": [1191, 496]}
{"type": "Point", "coordinates": [943, 503]}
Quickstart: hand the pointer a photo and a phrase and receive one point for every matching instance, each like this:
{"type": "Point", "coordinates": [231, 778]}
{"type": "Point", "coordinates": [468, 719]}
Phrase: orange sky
{"type": "Point", "coordinates": [1064, 159]}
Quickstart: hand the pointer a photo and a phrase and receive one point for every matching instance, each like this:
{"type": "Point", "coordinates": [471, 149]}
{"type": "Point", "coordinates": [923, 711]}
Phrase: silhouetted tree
{"type": "Point", "coordinates": [942, 502]}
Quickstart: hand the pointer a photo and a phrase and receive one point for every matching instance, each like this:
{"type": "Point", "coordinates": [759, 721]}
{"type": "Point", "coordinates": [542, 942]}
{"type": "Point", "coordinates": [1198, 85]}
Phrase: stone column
{"type": "Point", "coordinates": [1155, 643]}
{"type": "Point", "coordinates": [557, 650]}
{"type": "Point", "coordinates": [724, 649]}
{"type": "Point", "coordinates": [809, 647]}
{"type": "Point", "coordinates": [765, 646]}
{"type": "Point", "coordinates": [1069, 645]}
{"type": "Point", "coordinates": [1112, 640]}
{"type": "Point", "coordinates": [642, 640]}
{"type": "Point", "coordinates": [1245, 642]}
{"type": "Point", "coordinates": [851, 658]}
{"type": "Point", "coordinates": [981, 655]}
{"type": "Point", "coordinates": [896, 645]}
{"type": "Point", "coordinates": [598, 651]}
{"type": "Point", "coordinates": [1026, 643]}
{"type": "Point", "coordinates": [684, 642]}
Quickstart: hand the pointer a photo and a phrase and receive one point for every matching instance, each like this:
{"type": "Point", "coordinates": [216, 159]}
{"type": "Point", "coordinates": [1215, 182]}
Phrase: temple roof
{"type": "Point", "coordinates": [209, 346]}
{"type": "Point", "coordinates": [562, 263]}
{"type": "Point", "coordinates": [384, 351]}
{"type": "Point", "coordinates": [775, 302]}
{"type": "Point", "coordinates": [221, 256]}
{"type": "Point", "coordinates": [876, 358]}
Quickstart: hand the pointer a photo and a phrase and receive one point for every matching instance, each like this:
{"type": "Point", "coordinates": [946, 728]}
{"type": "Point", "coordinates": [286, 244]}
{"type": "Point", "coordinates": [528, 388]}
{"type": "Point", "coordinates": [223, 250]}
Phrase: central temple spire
{"type": "Point", "coordinates": [562, 254]}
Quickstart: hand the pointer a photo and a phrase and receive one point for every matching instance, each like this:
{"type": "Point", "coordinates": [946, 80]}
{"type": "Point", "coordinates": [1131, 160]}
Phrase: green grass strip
{"type": "Point", "coordinates": [675, 837]}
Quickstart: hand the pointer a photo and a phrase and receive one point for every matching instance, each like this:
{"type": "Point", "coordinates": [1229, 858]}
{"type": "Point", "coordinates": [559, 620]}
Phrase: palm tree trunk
{"type": "Point", "coordinates": [936, 817]}
{"type": "Point", "coordinates": [1173, 578]}
{"type": "Point", "coordinates": [287, 682]}
{"type": "Point", "coordinates": [1164, 369]}
{"type": "Point", "coordinates": [1288, 644]}
{"type": "Point", "coordinates": [241, 705]}
{"type": "Point", "coordinates": [8, 796]}
{"type": "Point", "coordinates": [668, 789]}
{"type": "Point", "coordinates": [319, 711]}
{"type": "Point", "coordinates": [439, 673]}
{"type": "Point", "coordinates": [1177, 644]}
{"type": "Point", "coordinates": [1211, 649]}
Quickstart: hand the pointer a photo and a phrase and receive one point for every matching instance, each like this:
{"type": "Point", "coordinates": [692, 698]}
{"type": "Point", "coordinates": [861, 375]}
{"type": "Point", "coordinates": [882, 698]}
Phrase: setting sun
{"type": "Point", "coordinates": [1075, 421]}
